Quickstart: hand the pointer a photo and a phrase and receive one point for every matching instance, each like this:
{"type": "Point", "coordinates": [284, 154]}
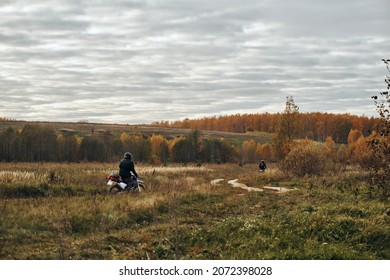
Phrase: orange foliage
{"type": "Point", "coordinates": [249, 151]}
{"type": "Point", "coordinates": [353, 136]}
{"type": "Point", "coordinates": [330, 148]}
{"type": "Point", "coordinates": [264, 152]}
{"type": "Point", "coordinates": [362, 153]}
{"type": "Point", "coordinates": [316, 126]}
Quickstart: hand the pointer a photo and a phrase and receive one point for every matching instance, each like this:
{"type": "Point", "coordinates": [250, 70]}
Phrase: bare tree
{"type": "Point", "coordinates": [380, 143]}
{"type": "Point", "coordinates": [287, 129]}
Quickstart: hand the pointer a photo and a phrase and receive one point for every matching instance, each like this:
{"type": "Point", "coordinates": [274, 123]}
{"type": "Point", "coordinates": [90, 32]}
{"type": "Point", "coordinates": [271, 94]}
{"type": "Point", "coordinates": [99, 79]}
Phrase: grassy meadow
{"type": "Point", "coordinates": [64, 211]}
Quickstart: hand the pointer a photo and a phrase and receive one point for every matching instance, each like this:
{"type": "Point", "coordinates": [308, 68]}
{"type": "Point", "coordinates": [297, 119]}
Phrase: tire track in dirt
{"type": "Point", "coordinates": [235, 184]}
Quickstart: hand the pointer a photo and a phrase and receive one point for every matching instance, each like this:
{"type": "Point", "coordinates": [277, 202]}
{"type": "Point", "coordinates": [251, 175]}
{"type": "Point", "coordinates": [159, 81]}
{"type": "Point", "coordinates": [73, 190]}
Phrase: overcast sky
{"type": "Point", "coordinates": [130, 61]}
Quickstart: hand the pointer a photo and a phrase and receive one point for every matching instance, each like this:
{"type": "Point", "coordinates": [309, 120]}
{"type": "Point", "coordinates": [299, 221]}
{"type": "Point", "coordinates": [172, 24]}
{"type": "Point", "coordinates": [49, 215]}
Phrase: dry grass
{"type": "Point", "coordinates": [63, 211]}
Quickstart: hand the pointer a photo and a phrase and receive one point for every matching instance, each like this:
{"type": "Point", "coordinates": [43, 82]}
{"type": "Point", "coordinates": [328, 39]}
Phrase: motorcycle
{"type": "Point", "coordinates": [116, 184]}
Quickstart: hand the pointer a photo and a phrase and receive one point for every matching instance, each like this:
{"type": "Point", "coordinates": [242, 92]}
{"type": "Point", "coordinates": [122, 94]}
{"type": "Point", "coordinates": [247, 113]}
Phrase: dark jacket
{"type": "Point", "coordinates": [126, 166]}
{"type": "Point", "coordinates": [262, 165]}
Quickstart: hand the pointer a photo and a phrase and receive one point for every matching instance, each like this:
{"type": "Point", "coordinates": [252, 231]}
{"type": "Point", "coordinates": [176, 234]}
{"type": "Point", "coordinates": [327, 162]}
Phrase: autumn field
{"type": "Point", "coordinates": [64, 211]}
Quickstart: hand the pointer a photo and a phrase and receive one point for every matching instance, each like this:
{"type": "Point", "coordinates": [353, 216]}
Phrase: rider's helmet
{"type": "Point", "coordinates": [127, 155]}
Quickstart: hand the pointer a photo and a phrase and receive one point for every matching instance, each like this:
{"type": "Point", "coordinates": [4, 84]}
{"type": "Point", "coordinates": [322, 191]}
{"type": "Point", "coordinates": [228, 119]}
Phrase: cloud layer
{"type": "Point", "coordinates": [143, 61]}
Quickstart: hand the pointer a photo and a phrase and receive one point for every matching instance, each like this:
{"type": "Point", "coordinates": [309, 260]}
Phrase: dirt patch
{"type": "Point", "coordinates": [235, 184]}
{"type": "Point", "coordinates": [216, 182]}
{"type": "Point", "coordinates": [278, 189]}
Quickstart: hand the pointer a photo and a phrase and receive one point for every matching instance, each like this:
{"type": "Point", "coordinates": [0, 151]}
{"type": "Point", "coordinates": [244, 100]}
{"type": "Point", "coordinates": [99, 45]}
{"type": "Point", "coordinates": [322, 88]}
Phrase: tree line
{"type": "Point", "coordinates": [315, 126]}
{"type": "Point", "coordinates": [39, 143]}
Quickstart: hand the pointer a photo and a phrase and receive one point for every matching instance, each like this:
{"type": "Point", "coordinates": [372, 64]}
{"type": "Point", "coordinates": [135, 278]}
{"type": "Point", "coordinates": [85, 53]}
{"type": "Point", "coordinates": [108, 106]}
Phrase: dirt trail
{"type": "Point", "coordinates": [235, 184]}
{"type": "Point", "coordinates": [279, 189]}
{"type": "Point", "coordinates": [216, 182]}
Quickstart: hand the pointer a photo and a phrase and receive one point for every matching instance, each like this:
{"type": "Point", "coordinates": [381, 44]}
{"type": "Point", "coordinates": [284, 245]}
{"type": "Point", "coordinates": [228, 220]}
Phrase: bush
{"type": "Point", "coordinates": [307, 159]}
{"type": "Point", "coordinates": [380, 144]}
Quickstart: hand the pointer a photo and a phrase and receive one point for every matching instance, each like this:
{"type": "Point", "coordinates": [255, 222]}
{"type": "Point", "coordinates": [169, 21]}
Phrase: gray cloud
{"type": "Point", "coordinates": [143, 61]}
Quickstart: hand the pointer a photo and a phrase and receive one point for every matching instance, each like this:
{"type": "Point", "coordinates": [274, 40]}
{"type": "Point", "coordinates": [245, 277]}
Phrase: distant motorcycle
{"type": "Point", "coordinates": [117, 185]}
{"type": "Point", "coordinates": [262, 166]}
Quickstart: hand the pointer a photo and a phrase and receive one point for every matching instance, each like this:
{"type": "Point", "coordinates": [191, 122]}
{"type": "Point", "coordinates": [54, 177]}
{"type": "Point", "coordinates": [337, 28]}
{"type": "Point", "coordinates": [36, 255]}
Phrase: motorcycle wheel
{"type": "Point", "coordinates": [115, 189]}
{"type": "Point", "coordinates": [140, 188]}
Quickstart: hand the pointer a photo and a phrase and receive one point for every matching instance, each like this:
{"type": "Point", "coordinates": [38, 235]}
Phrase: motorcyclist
{"type": "Point", "coordinates": [262, 166]}
{"type": "Point", "coordinates": [126, 168]}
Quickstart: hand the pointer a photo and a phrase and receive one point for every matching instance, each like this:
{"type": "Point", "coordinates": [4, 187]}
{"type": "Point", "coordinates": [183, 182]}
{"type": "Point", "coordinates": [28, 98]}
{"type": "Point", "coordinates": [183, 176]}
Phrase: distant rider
{"type": "Point", "coordinates": [262, 166]}
{"type": "Point", "coordinates": [126, 167]}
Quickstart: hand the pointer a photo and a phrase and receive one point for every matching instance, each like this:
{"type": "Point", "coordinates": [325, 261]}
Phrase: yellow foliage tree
{"type": "Point", "coordinates": [342, 154]}
{"type": "Point", "coordinates": [249, 151]}
{"type": "Point", "coordinates": [159, 149]}
{"type": "Point", "coordinates": [353, 136]}
{"type": "Point", "coordinates": [263, 151]}
{"type": "Point", "coordinates": [362, 154]}
{"type": "Point", "coordinates": [330, 148]}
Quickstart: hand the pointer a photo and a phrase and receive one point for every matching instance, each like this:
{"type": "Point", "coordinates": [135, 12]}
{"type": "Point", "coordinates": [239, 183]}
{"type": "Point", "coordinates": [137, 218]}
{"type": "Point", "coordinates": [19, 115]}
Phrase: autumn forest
{"type": "Point", "coordinates": [44, 142]}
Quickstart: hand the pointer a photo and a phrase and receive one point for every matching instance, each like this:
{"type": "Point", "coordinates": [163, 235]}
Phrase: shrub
{"type": "Point", "coordinates": [308, 158]}
{"type": "Point", "coordinates": [362, 153]}
{"type": "Point", "coordinates": [380, 145]}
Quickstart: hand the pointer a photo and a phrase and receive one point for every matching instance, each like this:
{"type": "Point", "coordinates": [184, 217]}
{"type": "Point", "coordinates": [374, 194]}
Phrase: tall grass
{"type": "Point", "coordinates": [63, 211]}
